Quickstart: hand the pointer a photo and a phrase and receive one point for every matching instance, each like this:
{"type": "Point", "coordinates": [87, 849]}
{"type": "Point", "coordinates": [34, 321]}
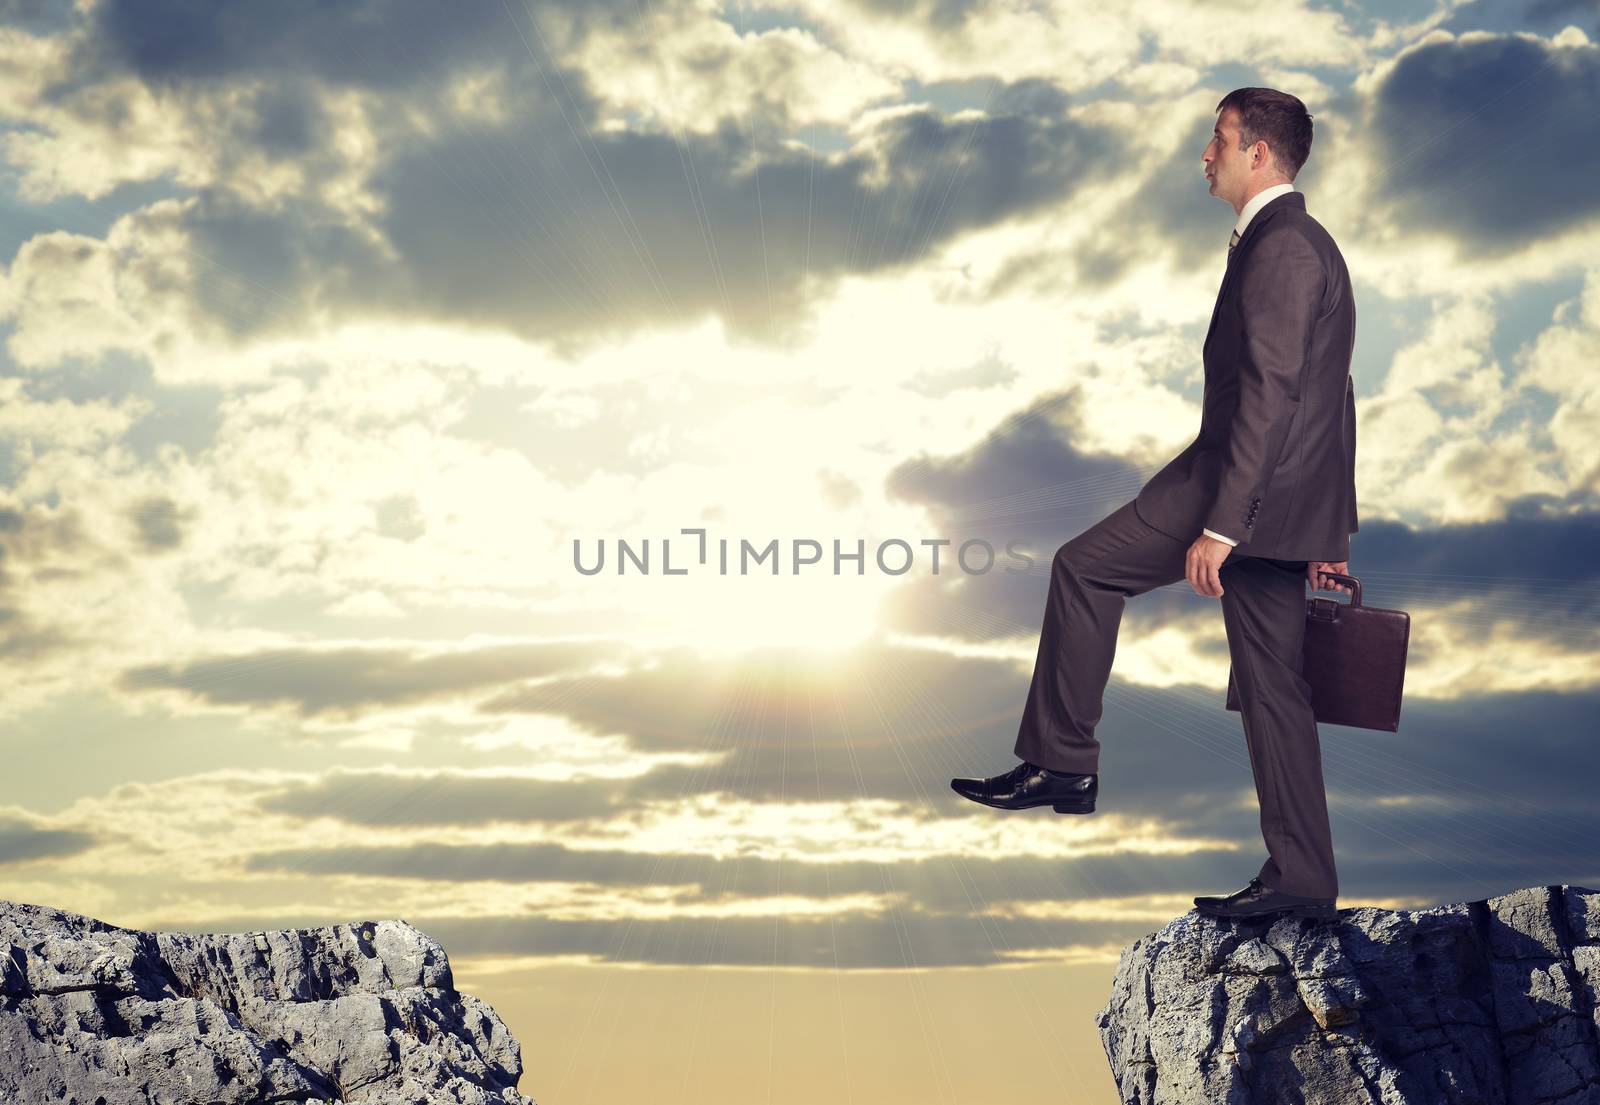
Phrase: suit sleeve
{"type": "Point", "coordinates": [1280, 295]}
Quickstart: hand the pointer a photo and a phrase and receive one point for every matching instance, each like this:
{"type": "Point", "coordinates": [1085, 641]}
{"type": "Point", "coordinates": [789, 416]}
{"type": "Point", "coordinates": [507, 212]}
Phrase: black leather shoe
{"type": "Point", "coordinates": [1027, 785]}
{"type": "Point", "coordinates": [1258, 900]}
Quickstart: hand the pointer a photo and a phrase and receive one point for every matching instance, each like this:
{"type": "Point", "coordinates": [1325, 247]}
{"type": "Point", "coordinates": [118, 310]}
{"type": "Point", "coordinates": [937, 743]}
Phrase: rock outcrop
{"type": "Point", "coordinates": [1485, 1002]}
{"type": "Point", "coordinates": [93, 1014]}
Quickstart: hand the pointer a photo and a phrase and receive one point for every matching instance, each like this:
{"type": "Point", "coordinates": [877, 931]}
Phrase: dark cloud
{"type": "Point", "coordinates": [35, 16]}
{"type": "Point", "coordinates": [562, 234]}
{"type": "Point", "coordinates": [939, 883]}
{"type": "Point", "coordinates": [1457, 125]}
{"type": "Point", "coordinates": [598, 232]}
{"type": "Point", "coordinates": [167, 42]}
{"type": "Point", "coordinates": [258, 271]}
{"type": "Point", "coordinates": [23, 639]}
{"type": "Point", "coordinates": [1024, 487]}
{"type": "Point", "coordinates": [156, 523]}
{"type": "Point", "coordinates": [470, 863]}
{"type": "Point", "coordinates": [346, 680]}
{"type": "Point", "coordinates": [1545, 17]}
{"type": "Point", "coordinates": [1020, 472]}
{"type": "Point", "coordinates": [1559, 11]}
{"type": "Point", "coordinates": [1531, 568]}
{"type": "Point", "coordinates": [397, 800]}
{"type": "Point", "coordinates": [944, 15]}
{"type": "Point", "coordinates": [287, 121]}
{"type": "Point", "coordinates": [21, 840]}
{"type": "Point", "coordinates": [37, 545]}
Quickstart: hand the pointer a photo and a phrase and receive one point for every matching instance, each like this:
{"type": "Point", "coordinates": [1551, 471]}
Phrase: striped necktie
{"type": "Point", "coordinates": [1233, 240]}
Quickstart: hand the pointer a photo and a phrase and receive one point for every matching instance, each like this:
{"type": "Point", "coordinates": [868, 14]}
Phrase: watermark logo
{"type": "Point", "coordinates": [893, 556]}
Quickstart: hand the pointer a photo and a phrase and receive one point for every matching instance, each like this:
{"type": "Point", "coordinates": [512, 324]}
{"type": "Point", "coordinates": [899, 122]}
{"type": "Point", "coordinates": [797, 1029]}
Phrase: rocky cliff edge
{"type": "Point", "coordinates": [94, 1014]}
{"type": "Point", "coordinates": [1485, 1002]}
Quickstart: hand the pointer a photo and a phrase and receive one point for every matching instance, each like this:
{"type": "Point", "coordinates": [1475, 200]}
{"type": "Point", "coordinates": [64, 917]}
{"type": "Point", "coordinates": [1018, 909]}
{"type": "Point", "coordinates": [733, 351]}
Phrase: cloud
{"type": "Point", "coordinates": [387, 799]}
{"type": "Point", "coordinates": [654, 68]}
{"type": "Point", "coordinates": [695, 878]}
{"type": "Point", "coordinates": [1455, 812]}
{"type": "Point", "coordinates": [1409, 823]}
{"type": "Point", "coordinates": [158, 522]}
{"type": "Point", "coordinates": [1454, 436]}
{"type": "Point", "coordinates": [947, 40]}
{"type": "Point", "coordinates": [35, 546]}
{"type": "Point", "coordinates": [1447, 117]}
{"type": "Point", "coordinates": [1424, 448]}
{"type": "Point", "coordinates": [329, 187]}
{"type": "Point", "coordinates": [345, 680]}
{"type": "Point", "coordinates": [169, 42]}
{"type": "Point", "coordinates": [1557, 9]}
{"type": "Point", "coordinates": [1513, 556]}
{"type": "Point", "coordinates": [62, 292]}
{"type": "Point", "coordinates": [1000, 477]}
{"type": "Point", "coordinates": [1559, 362]}
{"type": "Point", "coordinates": [595, 235]}
{"type": "Point", "coordinates": [23, 839]}
{"type": "Point", "coordinates": [1024, 488]}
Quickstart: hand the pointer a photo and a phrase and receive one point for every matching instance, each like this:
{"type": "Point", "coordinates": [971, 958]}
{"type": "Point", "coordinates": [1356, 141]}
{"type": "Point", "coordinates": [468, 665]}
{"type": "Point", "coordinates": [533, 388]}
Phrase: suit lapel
{"type": "Point", "coordinates": [1268, 209]}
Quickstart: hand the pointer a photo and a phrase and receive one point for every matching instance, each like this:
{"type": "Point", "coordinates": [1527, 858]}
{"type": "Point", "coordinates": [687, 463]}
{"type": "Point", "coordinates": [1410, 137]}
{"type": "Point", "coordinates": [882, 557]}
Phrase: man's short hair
{"type": "Point", "coordinates": [1277, 117]}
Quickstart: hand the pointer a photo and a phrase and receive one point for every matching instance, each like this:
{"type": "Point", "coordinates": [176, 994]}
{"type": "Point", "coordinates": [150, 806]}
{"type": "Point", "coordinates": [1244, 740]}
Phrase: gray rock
{"type": "Point", "coordinates": [1482, 1002]}
{"type": "Point", "coordinates": [93, 1014]}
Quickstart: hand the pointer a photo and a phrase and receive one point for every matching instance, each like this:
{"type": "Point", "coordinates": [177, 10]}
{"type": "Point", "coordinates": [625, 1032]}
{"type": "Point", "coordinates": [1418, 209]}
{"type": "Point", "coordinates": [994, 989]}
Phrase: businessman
{"type": "Point", "coordinates": [1260, 503]}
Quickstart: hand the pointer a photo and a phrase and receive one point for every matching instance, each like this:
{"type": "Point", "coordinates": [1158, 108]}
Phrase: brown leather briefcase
{"type": "Point", "coordinates": [1355, 661]}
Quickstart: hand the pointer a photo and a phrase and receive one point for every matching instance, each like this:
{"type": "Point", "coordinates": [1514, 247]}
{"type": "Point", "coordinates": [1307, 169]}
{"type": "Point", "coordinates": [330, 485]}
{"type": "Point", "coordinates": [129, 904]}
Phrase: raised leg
{"type": "Point", "coordinates": [1091, 576]}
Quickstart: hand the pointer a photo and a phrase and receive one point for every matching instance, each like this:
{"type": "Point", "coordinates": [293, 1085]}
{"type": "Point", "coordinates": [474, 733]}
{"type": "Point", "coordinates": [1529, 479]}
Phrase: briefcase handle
{"type": "Point", "coordinates": [1355, 584]}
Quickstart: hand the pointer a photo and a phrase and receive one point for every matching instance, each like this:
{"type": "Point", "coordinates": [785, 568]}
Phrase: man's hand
{"type": "Point", "coordinates": [1203, 562]}
{"type": "Point", "coordinates": [1314, 576]}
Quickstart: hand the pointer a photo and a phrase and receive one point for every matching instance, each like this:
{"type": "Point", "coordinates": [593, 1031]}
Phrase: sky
{"type": "Point", "coordinates": [339, 339]}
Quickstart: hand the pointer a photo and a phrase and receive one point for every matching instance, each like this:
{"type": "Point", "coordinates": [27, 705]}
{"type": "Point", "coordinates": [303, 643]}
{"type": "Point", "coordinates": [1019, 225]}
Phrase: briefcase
{"type": "Point", "coordinates": [1355, 661]}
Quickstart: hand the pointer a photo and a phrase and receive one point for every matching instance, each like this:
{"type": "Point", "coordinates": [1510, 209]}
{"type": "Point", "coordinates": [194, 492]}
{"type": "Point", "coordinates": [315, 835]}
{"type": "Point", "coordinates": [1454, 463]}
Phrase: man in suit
{"type": "Point", "coordinates": [1260, 503]}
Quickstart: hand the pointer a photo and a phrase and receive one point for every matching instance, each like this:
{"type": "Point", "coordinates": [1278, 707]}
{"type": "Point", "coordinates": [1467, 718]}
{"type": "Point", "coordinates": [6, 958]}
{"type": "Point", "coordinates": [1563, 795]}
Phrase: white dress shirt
{"type": "Point", "coordinates": [1248, 212]}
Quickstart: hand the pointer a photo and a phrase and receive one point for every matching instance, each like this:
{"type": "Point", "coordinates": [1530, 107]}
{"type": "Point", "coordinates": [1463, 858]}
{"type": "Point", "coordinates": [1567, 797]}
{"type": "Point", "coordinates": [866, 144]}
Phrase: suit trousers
{"type": "Point", "coordinates": [1263, 613]}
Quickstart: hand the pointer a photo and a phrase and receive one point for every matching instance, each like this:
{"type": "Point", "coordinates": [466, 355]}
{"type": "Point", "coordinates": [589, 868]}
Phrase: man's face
{"type": "Point", "coordinates": [1227, 167]}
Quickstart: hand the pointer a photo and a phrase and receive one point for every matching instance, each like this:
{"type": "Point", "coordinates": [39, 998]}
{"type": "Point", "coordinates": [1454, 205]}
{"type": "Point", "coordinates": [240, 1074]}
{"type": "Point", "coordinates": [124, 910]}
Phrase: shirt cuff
{"type": "Point", "coordinates": [1218, 536]}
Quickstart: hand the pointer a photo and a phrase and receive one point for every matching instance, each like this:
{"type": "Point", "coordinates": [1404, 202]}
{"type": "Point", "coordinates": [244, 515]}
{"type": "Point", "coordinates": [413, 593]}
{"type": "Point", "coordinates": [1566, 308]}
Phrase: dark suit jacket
{"type": "Point", "coordinates": [1274, 465]}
